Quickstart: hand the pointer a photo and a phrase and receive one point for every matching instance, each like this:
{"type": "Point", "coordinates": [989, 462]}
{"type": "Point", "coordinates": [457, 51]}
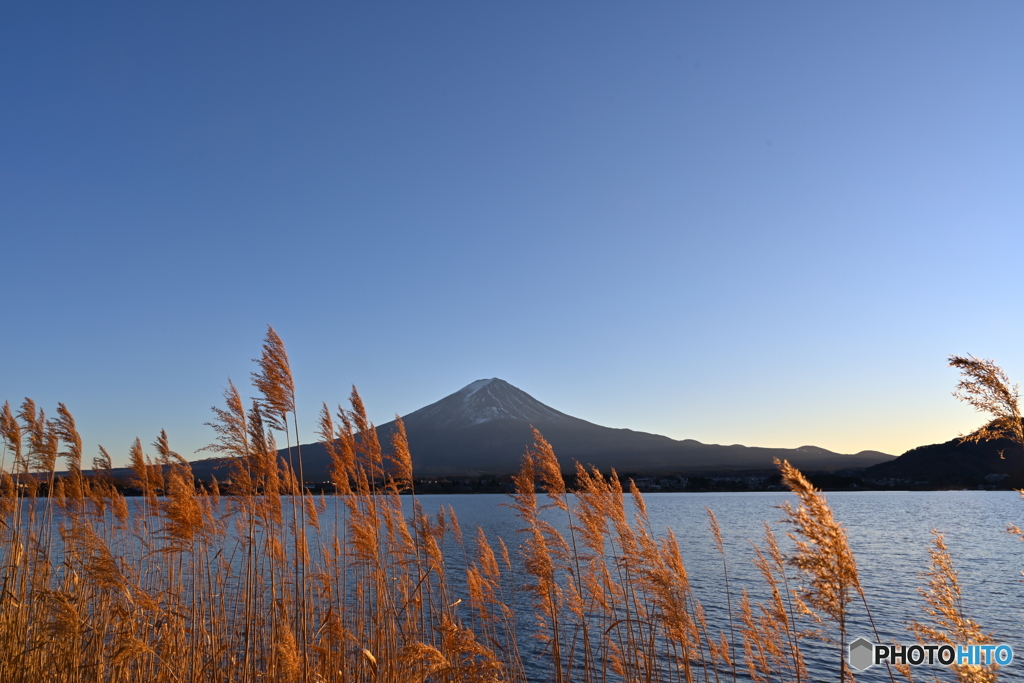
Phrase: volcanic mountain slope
{"type": "Point", "coordinates": [485, 427]}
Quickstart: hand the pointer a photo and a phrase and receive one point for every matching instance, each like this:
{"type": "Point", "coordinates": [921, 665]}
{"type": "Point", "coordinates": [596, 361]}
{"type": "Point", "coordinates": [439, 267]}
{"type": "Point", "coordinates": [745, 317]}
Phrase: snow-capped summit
{"type": "Point", "coordinates": [483, 401]}
{"type": "Point", "coordinates": [472, 387]}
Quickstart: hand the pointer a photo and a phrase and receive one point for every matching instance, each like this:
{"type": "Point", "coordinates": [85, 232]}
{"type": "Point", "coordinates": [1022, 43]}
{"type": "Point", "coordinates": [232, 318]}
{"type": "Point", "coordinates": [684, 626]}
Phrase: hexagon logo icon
{"type": "Point", "coordinates": [862, 653]}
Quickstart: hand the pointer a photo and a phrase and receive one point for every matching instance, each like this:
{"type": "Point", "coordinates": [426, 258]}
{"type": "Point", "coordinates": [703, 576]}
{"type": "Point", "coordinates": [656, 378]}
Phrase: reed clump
{"type": "Point", "coordinates": [256, 579]}
{"type": "Point", "coordinates": [948, 625]}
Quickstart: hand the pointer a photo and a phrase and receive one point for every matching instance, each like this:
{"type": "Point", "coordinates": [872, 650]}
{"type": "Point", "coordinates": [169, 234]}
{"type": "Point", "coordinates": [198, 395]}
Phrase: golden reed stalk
{"type": "Point", "coordinates": [269, 583]}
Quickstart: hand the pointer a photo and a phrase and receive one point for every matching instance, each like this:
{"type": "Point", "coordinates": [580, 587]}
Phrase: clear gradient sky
{"type": "Point", "coordinates": [756, 223]}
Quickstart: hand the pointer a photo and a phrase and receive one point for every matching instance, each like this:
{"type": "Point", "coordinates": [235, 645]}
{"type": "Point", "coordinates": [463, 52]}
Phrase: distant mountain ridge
{"type": "Point", "coordinates": [485, 427]}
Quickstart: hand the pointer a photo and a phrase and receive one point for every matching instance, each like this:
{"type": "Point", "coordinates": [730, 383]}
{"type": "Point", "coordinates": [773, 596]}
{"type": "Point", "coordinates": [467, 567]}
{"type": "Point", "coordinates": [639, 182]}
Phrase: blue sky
{"type": "Point", "coordinates": [751, 223]}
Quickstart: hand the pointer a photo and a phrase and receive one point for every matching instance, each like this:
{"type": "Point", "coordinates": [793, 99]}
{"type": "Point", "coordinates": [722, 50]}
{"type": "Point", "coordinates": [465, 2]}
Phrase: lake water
{"type": "Point", "coordinates": [889, 532]}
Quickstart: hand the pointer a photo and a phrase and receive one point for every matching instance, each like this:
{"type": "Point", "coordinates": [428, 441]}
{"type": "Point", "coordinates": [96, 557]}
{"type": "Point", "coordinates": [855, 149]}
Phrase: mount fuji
{"type": "Point", "coordinates": [485, 427]}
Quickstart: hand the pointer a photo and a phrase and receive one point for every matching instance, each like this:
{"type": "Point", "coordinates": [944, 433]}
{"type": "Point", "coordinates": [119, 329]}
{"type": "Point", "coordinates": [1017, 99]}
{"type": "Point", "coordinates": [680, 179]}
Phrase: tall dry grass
{"type": "Point", "coordinates": [256, 579]}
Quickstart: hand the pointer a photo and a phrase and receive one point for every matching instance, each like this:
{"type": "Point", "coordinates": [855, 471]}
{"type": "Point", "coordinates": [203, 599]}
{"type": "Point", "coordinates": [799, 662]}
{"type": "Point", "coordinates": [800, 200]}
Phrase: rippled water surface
{"type": "Point", "coordinates": [890, 534]}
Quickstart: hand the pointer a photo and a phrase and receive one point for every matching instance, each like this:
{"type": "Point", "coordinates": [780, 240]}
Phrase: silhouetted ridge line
{"type": "Point", "coordinates": [484, 428]}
